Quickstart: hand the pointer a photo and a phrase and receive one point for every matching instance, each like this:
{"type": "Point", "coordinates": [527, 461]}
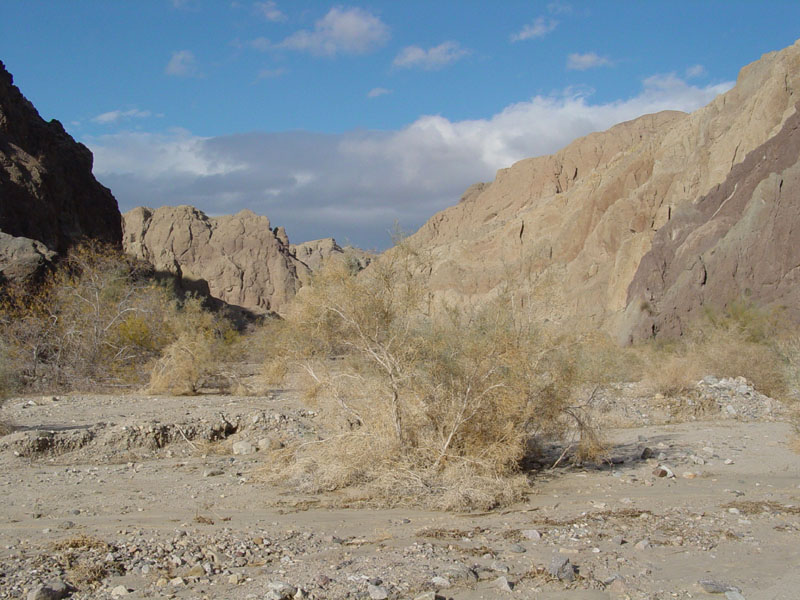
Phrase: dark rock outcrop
{"type": "Point", "coordinates": [47, 190]}
{"type": "Point", "coordinates": [740, 241]}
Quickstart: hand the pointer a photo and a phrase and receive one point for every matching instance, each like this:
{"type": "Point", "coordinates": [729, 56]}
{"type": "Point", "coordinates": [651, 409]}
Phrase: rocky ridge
{"type": "Point", "coordinates": [49, 198]}
{"type": "Point", "coordinates": [239, 259]}
{"type": "Point", "coordinates": [580, 222]}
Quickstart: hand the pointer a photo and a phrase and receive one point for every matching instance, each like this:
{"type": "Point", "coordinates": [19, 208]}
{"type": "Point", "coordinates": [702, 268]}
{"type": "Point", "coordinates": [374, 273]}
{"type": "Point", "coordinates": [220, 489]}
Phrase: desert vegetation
{"type": "Point", "coordinates": [444, 406]}
{"type": "Point", "coordinates": [103, 320]}
{"type": "Point", "coordinates": [439, 406]}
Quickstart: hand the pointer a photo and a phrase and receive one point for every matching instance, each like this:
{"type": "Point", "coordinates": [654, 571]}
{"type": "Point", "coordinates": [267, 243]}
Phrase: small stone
{"type": "Point", "coordinates": [689, 475]}
{"type": "Point", "coordinates": [235, 578]}
{"type": "Point", "coordinates": [561, 568]}
{"type": "Point", "coordinates": [662, 471]}
{"type": "Point", "coordinates": [734, 511]}
{"type": "Point", "coordinates": [499, 567]}
{"type": "Point", "coordinates": [196, 571]}
{"type": "Point", "coordinates": [66, 525]}
{"type": "Point", "coordinates": [517, 548]}
{"type": "Point", "coordinates": [322, 580]}
{"type": "Point", "coordinates": [212, 472]}
{"type": "Point", "coordinates": [243, 447]}
{"type": "Point", "coordinates": [503, 584]}
{"type": "Point", "coordinates": [531, 534]}
{"type": "Point", "coordinates": [728, 461]}
{"type": "Point", "coordinates": [162, 582]}
{"type": "Point", "coordinates": [377, 592]}
{"type": "Point", "coordinates": [119, 591]}
{"type": "Point", "coordinates": [177, 582]}
{"type": "Point", "coordinates": [734, 595]}
{"type": "Point", "coordinates": [441, 582]}
{"type": "Point", "coordinates": [716, 587]}
{"type": "Point", "coordinates": [269, 443]}
{"type": "Point", "coordinates": [642, 544]}
{"type": "Point", "coordinates": [52, 590]}
{"type": "Point", "coordinates": [618, 540]}
{"type": "Point", "coordinates": [698, 460]}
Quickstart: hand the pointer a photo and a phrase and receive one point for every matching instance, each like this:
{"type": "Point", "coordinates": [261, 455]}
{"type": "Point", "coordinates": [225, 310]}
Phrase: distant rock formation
{"type": "Point", "coordinates": [571, 231]}
{"type": "Point", "coordinates": [49, 198]}
{"type": "Point", "coordinates": [316, 252]}
{"type": "Point", "coordinates": [238, 259]}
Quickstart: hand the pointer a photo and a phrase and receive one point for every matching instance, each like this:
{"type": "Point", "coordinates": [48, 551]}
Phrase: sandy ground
{"type": "Point", "coordinates": [127, 496]}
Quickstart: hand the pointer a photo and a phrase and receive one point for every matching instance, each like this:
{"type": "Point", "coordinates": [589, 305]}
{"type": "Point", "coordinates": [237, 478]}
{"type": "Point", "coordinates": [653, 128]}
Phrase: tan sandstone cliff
{"type": "Point", "coordinates": [583, 219]}
{"type": "Point", "coordinates": [238, 259]}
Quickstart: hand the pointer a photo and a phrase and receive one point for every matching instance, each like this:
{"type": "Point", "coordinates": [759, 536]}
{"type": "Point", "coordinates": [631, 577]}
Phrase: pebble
{"type": "Point", "coordinates": [531, 534]}
{"type": "Point", "coordinates": [377, 592]}
{"type": "Point", "coordinates": [52, 590]}
{"type": "Point", "coordinates": [441, 582]}
{"type": "Point", "coordinates": [503, 584]}
{"type": "Point", "coordinates": [663, 471]}
{"type": "Point", "coordinates": [119, 591]}
{"type": "Point", "coordinates": [561, 568]}
{"type": "Point", "coordinates": [642, 544]}
{"type": "Point", "coordinates": [243, 447]}
{"type": "Point", "coordinates": [716, 587]}
{"type": "Point", "coordinates": [517, 548]}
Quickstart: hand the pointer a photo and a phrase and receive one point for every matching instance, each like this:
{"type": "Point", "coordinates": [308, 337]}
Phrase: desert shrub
{"type": "Point", "coordinates": [739, 340]}
{"type": "Point", "coordinates": [438, 408]}
{"type": "Point", "coordinates": [99, 321]}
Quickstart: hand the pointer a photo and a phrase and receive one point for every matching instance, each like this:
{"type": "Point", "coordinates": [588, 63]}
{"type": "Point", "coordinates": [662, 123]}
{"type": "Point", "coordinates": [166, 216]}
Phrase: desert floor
{"type": "Point", "coordinates": [131, 496]}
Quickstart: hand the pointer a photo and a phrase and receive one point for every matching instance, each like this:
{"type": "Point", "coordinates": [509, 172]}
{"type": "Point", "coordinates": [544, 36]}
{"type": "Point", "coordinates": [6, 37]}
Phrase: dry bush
{"type": "Point", "coordinates": [100, 321]}
{"type": "Point", "coordinates": [95, 322]}
{"type": "Point", "coordinates": [439, 409]}
{"type": "Point", "coordinates": [738, 341]}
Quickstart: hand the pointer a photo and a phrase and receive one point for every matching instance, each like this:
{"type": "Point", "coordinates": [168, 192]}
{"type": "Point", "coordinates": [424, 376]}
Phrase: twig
{"type": "Point", "coordinates": [183, 435]}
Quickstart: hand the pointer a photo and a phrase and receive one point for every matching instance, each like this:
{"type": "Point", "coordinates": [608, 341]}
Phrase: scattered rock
{"type": "Point", "coordinates": [503, 584]}
{"type": "Point", "coordinates": [52, 590]}
{"type": "Point", "coordinates": [377, 592]}
{"type": "Point", "coordinates": [243, 447]}
{"type": "Point", "coordinates": [561, 568]}
{"type": "Point", "coordinates": [119, 591]}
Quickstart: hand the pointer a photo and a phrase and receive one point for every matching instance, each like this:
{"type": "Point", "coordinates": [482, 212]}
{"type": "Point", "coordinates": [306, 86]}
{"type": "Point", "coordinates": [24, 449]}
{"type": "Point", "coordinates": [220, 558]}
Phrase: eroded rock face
{"type": "Point", "coordinates": [739, 241]}
{"type": "Point", "coordinates": [570, 230]}
{"type": "Point", "coordinates": [316, 252]}
{"type": "Point", "coordinates": [238, 259]}
{"type": "Point", "coordinates": [47, 191]}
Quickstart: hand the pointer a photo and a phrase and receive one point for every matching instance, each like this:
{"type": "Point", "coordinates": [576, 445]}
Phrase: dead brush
{"type": "Point", "coordinates": [421, 408]}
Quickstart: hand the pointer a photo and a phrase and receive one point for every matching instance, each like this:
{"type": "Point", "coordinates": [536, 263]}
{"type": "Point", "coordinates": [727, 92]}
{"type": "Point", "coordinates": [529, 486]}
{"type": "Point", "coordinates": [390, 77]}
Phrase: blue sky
{"type": "Point", "coordinates": [338, 119]}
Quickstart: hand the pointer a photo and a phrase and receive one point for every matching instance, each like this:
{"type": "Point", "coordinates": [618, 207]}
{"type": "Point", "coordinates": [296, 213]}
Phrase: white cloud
{"type": "Point", "coordinates": [695, 71]}
{"type": "Point", "coordinates": [260, 43]}
{"type": "Point", "coordinates": [433, 58]}
{"type": "Point", "coordinates": [378, 91]}
{"type": "Point", "coordinates": [116, 115]}
{"type": "Point", "coordinates": [183, 64]}
{"type": "Point", "coordinates": [270, 11]}
{"type": "Point", "coordinates": [355, 185]}
{"type": "Point", "coordinates": [590, 60]}
{"type": "Point", "coordinates": [341, 31]}
{"type": "Point", "coordinates": [556, 8]}
{"type": "Point", "coordinates": [271, 73]}
{"type": "Point", "coordinates": [539, 28]}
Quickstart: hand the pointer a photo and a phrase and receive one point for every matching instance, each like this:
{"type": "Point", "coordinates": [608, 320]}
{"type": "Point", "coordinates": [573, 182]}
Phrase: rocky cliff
{"type": "Point", "coordinates": [49, 198]}
{"type": "Point", "coordinates": [316, 252]}
{"type": "Point", "coordinates": [573, 228]}
{"type": "Point", "coordinates": [238, 259]}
